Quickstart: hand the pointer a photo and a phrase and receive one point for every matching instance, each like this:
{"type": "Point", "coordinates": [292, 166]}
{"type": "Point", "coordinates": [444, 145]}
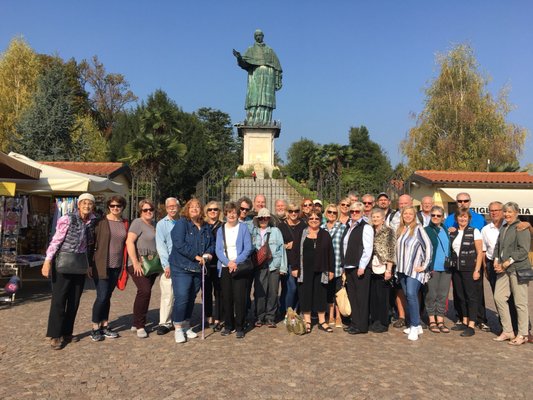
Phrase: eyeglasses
{"type": "Point", "coordinates": [308, 204]}
{"type": "Point", "coordinates": [355, 211]}
{"type": "Point", "coordinates": [212, 209]}
{"type": "Point", "coordinates": [463, 201]}
{"type": "Point", "coordinates": [344, 204]}
{"type": "Point", "coordinates": [498, 209]}
{"type": "Point", "coordinates": [245, 209]}
{"type": "Point", "coordinates": [144, 210]}
{"type": "Point", "coordinates": [115, 206]}
{"type": "Point", "coordinates": [263, 218]}
{"type": "Point", "coordinates": [293, 211]}
{"type": "Point", "coordinates": [313, 219]}
{"type": "Point", "coordinates": [332, 212]}
{"type": "Point", "coordinates": [436, 216]}
{"type": "Point", "coordinates": [367, 202]}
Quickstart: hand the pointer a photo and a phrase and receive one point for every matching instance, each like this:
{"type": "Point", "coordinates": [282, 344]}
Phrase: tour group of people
{"type": "Point", "coordinates": [397, 265]}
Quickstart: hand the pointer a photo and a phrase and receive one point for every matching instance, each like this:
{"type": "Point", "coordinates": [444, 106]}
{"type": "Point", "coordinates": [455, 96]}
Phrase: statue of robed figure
{"type": "Point", "coordinates": [264, 79]}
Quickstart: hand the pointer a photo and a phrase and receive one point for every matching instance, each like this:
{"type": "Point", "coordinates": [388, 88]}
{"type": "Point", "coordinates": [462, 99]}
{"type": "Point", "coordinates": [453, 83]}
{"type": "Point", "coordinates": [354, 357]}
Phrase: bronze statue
{"type": "Point", "coordinates": [264, 78]}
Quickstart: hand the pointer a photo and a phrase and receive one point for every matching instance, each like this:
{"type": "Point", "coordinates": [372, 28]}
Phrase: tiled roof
{"type": "Point", "coordinates": [92, 168]}
{"type": "Point", "coordinates": [475, 177]}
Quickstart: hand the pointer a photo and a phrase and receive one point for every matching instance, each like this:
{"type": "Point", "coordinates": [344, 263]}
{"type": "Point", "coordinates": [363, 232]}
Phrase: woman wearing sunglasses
{"type": "Point", "coordinates": [109, 259]}
{"type": "Point", "coordinates": [213, 217]}
{"type": "Point", "coordinates": [306, 206]}
{"type": "Point", "coordinates": [140, 242]}
{"type": "Point", "coordinates": [314, 271]}
{"type": "Point", "coordinates": [335, 228]}
{"type": "Point", "coordinates": [439, 284]}
{"type": "Point", "coordinates": [344, 211]}
{"type": "Point", "coordinates": [291, 229]}
{"type": "Point", "coordinates": [356, 250]}
{"type": "Point", "coordinates": [266, 282]}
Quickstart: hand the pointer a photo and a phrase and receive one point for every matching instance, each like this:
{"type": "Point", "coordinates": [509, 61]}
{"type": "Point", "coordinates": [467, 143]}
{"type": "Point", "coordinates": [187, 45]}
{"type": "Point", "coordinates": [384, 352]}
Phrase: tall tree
{"type": "Point", "coordinates": [45, 127]}
{"type": "Point", "coordinates": [110, 93]}
{"type": "Point", "coordinates": [299, 159]}
{"type": "Point", "coordinates": [157, 147]}
{"type": "Point", "coordinates": [462, 125]}
{"type": "Point", "coordinates": [19, 70]}
{"type": "Point", "coordinates": [219, 140]}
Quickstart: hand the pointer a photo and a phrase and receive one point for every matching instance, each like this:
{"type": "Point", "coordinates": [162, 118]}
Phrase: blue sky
{"type": "Point", "coordinates": [345, 63]}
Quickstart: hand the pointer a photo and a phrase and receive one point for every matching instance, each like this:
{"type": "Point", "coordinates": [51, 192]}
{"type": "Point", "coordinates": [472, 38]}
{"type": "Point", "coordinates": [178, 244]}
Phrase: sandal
{"type": "Point", "coordinates": [443, 328]}
{"type": "Point", "coordinates": [326, 329]}
{"type": "Point", "coordinates": [433, 327]}
{"type": "Point", "coordinates": [518, 340]}
{"type": "Point", "coordinates": [258, 324]}
{"type": "Point", "coordinates": [308, 327]}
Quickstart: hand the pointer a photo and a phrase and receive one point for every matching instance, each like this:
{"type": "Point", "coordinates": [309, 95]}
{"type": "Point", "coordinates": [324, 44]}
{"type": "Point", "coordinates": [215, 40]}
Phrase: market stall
{"type": "Point", "coordinates": [27, 217]}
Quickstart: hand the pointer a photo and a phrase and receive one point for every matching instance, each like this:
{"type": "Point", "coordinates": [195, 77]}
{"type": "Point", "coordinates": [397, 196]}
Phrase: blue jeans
{"type": "Point", "coordinates": [185, 286]}
{"type": "Point", "coordinates": [289, 293]}
{"type": "Point", "coordinates": [411, 287]}
{"type": "Point", "coordinates": [104, 291]}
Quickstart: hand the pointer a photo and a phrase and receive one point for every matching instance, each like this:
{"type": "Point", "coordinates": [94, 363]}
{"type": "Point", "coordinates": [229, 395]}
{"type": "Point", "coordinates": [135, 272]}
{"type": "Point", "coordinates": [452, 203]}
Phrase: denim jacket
{"type": "Point", "coordinates": [188, 242]}
{"type": "Point", "coordinates": [275, 242]}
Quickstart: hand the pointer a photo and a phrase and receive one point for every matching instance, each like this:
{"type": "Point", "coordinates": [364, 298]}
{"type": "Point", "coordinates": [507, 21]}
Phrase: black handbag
{"type": "Point", "coordinates": [72, 263]}
{"type": "Point", "coordinates": [524, 275]}
{"type": "Point", "coordinates": [244, 268]}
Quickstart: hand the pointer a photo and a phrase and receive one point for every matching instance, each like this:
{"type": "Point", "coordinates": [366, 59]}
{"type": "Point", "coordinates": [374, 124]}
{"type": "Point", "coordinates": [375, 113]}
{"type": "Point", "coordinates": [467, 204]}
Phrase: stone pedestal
{"type": "Point", "coordinates": [258, 148]}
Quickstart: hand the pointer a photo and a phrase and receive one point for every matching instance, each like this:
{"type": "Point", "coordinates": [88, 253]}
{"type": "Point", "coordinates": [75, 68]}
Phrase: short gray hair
{"type": "Point", "coordinates": [169, 199]}
{"type": "Point", "coordinates": [511, 205]}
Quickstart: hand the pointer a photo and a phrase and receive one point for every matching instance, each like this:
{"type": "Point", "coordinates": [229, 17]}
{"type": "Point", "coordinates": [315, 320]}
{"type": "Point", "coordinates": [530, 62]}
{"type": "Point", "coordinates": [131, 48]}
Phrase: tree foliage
{"type": "Point", "coordinates": [110, 93]}
{"type": "Point", "coordinates": [45, 127]}
{"type": "Point", "coordinates": [299, 159]}
{"type": "Point", "coordinates": [88, 143]}
{"type": "Point", "coordinates": [19, 70]}
{"type": "Point", "coordinates": [462, 125]}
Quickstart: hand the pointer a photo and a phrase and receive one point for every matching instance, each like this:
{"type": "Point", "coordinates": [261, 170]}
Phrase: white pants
{"type": "Point", "coordinates": [167, 300]}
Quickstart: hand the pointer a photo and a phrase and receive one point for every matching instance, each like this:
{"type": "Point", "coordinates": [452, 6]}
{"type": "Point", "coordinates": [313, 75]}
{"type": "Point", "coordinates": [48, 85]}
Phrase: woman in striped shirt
{"type": "Point", "coordinates": [413, 255]}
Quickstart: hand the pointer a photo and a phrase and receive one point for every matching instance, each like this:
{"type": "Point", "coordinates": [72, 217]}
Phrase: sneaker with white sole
{"type": "Point", "coordinates": [179, 336]}
{"type": "Point", "coordinates": [96, 335]}
{"type": "Point", "coordinates": [419, 328]}
{"type": "Point", "coordinates": [110, 334]}
{"type": "Point", "coordinates": [191, 334]}
{"type": "Point", "coordinates": [413, 333]}
{"type": "Point", "coordinates": [141, 333]}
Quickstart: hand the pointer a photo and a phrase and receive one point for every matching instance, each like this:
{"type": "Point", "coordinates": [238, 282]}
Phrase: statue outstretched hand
{"type": "Point", "coordinates": [237, 54]}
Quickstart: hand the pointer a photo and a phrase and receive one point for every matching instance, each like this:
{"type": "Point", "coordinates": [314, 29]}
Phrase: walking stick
{"type": "Point", "coordinates": [204, 271]}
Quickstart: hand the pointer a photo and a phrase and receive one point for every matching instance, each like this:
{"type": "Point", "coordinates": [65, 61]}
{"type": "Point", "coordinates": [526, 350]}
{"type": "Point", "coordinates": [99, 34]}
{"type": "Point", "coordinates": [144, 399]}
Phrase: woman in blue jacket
{"type": "Point", "coordinates": [233, 246]}
{"type": "Point", "coordinates": [266, 283]}
{"type": "Point", "coordinates": [192, 246]}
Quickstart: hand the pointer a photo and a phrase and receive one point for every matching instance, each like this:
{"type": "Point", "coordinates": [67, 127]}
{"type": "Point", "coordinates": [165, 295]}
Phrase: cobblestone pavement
{"type": "Point", "coordinates": [267, 364]}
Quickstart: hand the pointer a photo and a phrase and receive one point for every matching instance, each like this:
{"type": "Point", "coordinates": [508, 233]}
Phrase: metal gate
{"type": "Point", "coordinates": [143, 186]}
{"type": "Point", "coordinates": [329, 188]}
{"type": "Point", "coordinates": [211, 187]}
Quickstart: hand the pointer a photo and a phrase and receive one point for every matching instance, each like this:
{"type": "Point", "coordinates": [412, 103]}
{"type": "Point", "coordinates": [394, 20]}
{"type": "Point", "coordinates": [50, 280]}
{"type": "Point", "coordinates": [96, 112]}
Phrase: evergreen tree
{"type": "Point", "coordinates": [44, 129]}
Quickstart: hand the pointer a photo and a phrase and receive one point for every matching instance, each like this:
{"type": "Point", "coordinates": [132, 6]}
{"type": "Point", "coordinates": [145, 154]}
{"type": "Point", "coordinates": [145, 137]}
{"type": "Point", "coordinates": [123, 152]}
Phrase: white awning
{"type": "Point", "coordinates": [59, 180]}
{"type": "Point", "coordinates": [481, 197]}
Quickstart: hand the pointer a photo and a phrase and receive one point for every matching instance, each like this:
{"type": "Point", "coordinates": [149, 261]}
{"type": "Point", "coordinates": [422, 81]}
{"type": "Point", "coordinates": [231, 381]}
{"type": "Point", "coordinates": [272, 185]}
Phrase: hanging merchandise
{"type": "Point", "coordinates": [11, 215]}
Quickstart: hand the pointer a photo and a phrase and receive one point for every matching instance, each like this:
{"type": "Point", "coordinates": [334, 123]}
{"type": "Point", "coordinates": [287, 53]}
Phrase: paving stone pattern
{"type": "Point", "coordinates": [267, 364]}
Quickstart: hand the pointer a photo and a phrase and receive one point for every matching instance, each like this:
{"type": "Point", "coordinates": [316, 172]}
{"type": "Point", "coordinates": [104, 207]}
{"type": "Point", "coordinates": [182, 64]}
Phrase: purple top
{"type": "Point", "coordinates": [62, 226]}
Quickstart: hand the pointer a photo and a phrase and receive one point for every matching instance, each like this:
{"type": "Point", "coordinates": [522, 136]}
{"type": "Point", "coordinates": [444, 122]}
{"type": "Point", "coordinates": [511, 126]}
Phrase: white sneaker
{"type": "Point", "coordinates": [419, 328]}
{"type": "Point", "coordinates": [413, 334]}
{"type": "Point", "coordinates": [191, 334]}
{"type": "Point", "coordinates": [179, 336]}
{"type": "Point", "coordinates": [141, 333]}
{"type": "Point", "coordinates": [133, 329]}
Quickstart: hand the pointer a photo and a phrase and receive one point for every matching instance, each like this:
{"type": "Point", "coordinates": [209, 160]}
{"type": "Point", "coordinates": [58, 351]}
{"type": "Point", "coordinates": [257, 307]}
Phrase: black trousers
{"type": "Point", "coordinates": [66, 293]}
{"type": "Point", "coordinates": [379, 299]}
{"type": "Point", "coordinates": [234, 290]}
{"type": "Point", "coordinates": [358, 289]}
{"type": "Point", "coordinates": [213, 288]}
{"type": "Point", "coordinates": [467, 293]}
